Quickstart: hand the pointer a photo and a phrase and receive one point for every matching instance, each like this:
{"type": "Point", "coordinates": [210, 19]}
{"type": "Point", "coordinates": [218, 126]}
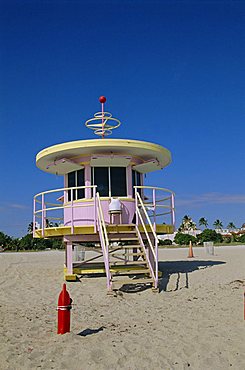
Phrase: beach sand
{"type": "Point", "coordinates": [195, 322]}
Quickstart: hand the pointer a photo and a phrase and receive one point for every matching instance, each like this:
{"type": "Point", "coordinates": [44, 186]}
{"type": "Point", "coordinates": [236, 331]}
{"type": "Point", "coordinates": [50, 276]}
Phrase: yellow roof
{"type": "Point", "coordinates": [55, 157]}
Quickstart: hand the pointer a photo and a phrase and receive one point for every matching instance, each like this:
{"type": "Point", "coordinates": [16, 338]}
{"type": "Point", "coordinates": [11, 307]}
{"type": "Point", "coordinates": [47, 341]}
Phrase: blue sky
{"type": "Point", "coordinates": [172, 71]}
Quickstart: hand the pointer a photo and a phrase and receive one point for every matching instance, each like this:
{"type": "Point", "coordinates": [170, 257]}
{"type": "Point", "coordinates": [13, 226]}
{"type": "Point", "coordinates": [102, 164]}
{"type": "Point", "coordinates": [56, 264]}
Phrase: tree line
{"type": "Point", "coordinates": [183, 236]}
{"type": "Point", "coordinates": [188, 224]}
{"type": "Point", "coordinates": [27, 242]}
{"type": "Point", "coordinates": [189, 227]}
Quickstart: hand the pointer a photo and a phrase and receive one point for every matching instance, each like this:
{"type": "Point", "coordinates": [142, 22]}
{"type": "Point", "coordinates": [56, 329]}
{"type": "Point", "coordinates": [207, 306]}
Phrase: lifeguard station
{"type": "Point", "coordinates": [104, 206]}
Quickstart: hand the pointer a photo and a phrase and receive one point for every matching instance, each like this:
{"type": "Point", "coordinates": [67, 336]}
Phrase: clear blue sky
{"type": "Point", "coordinates": [172, 71]}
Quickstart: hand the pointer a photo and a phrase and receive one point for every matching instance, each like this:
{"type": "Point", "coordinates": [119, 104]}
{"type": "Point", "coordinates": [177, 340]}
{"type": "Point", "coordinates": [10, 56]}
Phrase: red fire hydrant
{"type": "Point", "coordinates": [64, 311]}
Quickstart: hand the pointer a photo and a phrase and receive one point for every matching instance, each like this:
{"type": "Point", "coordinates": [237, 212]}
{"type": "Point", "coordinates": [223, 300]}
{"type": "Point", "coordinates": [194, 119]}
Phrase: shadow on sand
{"type": "Point", "coordinates": [134, 288]}
{"type": "Point", "coordinates": [169, 268]}
{"type": "Point", "coordinates": [88, 331]}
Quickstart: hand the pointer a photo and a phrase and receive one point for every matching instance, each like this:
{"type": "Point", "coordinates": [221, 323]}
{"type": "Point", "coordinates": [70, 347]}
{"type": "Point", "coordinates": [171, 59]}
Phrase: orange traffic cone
{"type": "Point", "coordinates": [190, 255]}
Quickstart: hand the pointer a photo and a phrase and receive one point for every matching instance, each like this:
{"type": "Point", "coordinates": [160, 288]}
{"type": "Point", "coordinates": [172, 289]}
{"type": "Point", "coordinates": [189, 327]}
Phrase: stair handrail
{"type": "Point", "coordinates": [104, 241]}
{"type": "Point", "coordinates": [146, 214]}
{"type": "Point", "coordinates": [154, 252]}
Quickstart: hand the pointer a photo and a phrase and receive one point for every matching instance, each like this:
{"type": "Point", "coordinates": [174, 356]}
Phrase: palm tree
{"type": "Point", "coordinates": [184, 223]}
{"type": "Point", "coordinates": [186, 219]}
{"type": "Point", "coordinates": [218, 224]}
{"type": "Point", "coordinates": [203, 222]}
{"type": "Point", "coordinates": [30, 228]}
{"type": "Point", "coordinates": [187, 224]}
{"type": "Point", "coordinates": [231, 226]}
{"type": "Point", "coordinates": [192, 225]}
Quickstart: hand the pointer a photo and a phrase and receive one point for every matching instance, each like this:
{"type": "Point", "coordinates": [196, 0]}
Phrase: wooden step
{"type": "Point", "coordinates": [120, 238]}
{"type": "Point", "coordinates": [122, 232]}
{"type": "Point", "coordinates": [140, 254]}
{"type": "Point", "coordinates": [131, 281]}
{"type": "Point", "coordinates": [128, 263]}
{"type": "Point", "coordinates": [121, 247]}
{"type": "Point", "coordinates": [129, 272]}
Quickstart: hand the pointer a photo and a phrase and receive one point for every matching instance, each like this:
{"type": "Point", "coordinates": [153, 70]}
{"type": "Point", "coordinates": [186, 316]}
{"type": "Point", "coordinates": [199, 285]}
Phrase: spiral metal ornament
{"type": "Point", "coordinates": [102, 123]}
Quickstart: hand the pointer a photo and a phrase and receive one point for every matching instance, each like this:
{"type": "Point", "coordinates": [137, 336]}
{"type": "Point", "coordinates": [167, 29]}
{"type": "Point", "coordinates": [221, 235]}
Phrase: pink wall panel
{"type": "Point", "coordinates": [85, 215]}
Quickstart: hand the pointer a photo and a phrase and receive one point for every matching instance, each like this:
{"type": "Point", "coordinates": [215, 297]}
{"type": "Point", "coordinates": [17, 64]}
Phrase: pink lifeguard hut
{"type": "Point", "coordinates": [104, 206]}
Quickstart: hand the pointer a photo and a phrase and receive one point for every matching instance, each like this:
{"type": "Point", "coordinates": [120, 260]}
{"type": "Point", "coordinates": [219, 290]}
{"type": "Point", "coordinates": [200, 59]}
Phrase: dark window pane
{"type": "Point", "coordinates": [101, 179]}
{"type": "Point", "coordinates": [133, 178]}
{"type": "Point", "coordinates": [133, 181]}
{"type": "Point", "coordinates": [80, 182]}
{"type": "Point", "coordinates": [136, 180]}
{"type": "Point", "coordinates": [71, 183]}
{"type": "Point", "coordinates": [118, 181]}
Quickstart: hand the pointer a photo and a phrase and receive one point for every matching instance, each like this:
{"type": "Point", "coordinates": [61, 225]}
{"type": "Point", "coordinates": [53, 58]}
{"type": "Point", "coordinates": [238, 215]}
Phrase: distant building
{"type": "Point", "coordinates": [223, 232]}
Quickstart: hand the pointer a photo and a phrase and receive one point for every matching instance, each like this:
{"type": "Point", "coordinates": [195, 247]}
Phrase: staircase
{"type": "Point", "coordinates": [127, 260]}
{"type": "Point", "coordinates": [130, 257]}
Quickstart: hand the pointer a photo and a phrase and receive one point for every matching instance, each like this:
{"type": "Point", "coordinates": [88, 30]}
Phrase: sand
{"type": "Point", "coordinates": [195, 322]}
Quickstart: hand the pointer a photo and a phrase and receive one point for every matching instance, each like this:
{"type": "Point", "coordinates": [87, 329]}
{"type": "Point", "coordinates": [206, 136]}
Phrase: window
{"type": "Point", "coordinates": [76, 178]}
{"type": "Point", "coordinates": [136, 180]}
{"type": "Point", "coordinates": [101, 179]}
{"type": "Point", "coordinates": [110, 181]}
{"type": "Point", "coordinates": [80, 182]}
{"type": "Point", "coordinates": [71, 183]}
{"type": "Point", "coordinates": [118, 181]}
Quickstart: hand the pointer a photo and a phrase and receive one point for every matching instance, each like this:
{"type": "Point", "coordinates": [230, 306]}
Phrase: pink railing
{"type": "Point", "coordinates": [51, 202]}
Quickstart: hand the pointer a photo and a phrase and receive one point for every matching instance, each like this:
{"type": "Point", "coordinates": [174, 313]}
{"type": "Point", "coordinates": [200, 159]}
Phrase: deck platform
{"type": "Point", "coordinates": [61, 231]}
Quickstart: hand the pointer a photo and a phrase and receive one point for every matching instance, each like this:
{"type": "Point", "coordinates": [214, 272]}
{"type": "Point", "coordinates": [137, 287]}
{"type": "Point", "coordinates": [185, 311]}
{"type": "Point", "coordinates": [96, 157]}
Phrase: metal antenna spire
{"type": "Point", "coordinates": [102, 100]}
{"type": "Point", "coordinates": [102, 123]}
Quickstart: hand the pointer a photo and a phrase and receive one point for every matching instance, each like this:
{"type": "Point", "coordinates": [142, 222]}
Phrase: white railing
{"type": "Point", "coordinates": [159, 204]}
{"type": "Point", "coordinates": [104, 241]}
{"type": "Point", "coordinates": [151, 251]}
{"type": "Point", "coordinates": [48, 207]}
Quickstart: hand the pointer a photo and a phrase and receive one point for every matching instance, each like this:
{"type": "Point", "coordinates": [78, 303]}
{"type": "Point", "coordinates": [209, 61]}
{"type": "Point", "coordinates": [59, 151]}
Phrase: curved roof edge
{"type": "Point", "coordinates": [73, 149]}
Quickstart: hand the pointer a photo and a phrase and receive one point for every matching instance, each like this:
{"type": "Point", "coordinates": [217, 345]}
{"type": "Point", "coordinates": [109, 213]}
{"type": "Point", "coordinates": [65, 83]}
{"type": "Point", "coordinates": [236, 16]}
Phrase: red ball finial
{"type": "Point", "coordinates": [102, 99]}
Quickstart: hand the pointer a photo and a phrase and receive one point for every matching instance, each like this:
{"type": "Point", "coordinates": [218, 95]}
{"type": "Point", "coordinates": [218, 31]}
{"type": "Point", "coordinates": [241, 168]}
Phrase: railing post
{"type": "Point", "coordinates": [43, 218]}
{"type": "Point", "coordinates": [69, 259]}
{"type": "Point", "coordinates": [72, 215]}
{"type": "Point", "coordinates": [172, 211]}
{"type": "Point", "coordinates": [87, 182]}
{"type": "Point", "coordinates": [34, 217]}
{"type": "Point", "coordinates": [154, 206]}
{"type": "Point", "coordinates": [95, 209]}
{"type": "Point", "coordinates": [156, 241]}
{"type": "Point", "coordinates": [136, 207]}
{"type": "Point", "coordinates": [156, 268]}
